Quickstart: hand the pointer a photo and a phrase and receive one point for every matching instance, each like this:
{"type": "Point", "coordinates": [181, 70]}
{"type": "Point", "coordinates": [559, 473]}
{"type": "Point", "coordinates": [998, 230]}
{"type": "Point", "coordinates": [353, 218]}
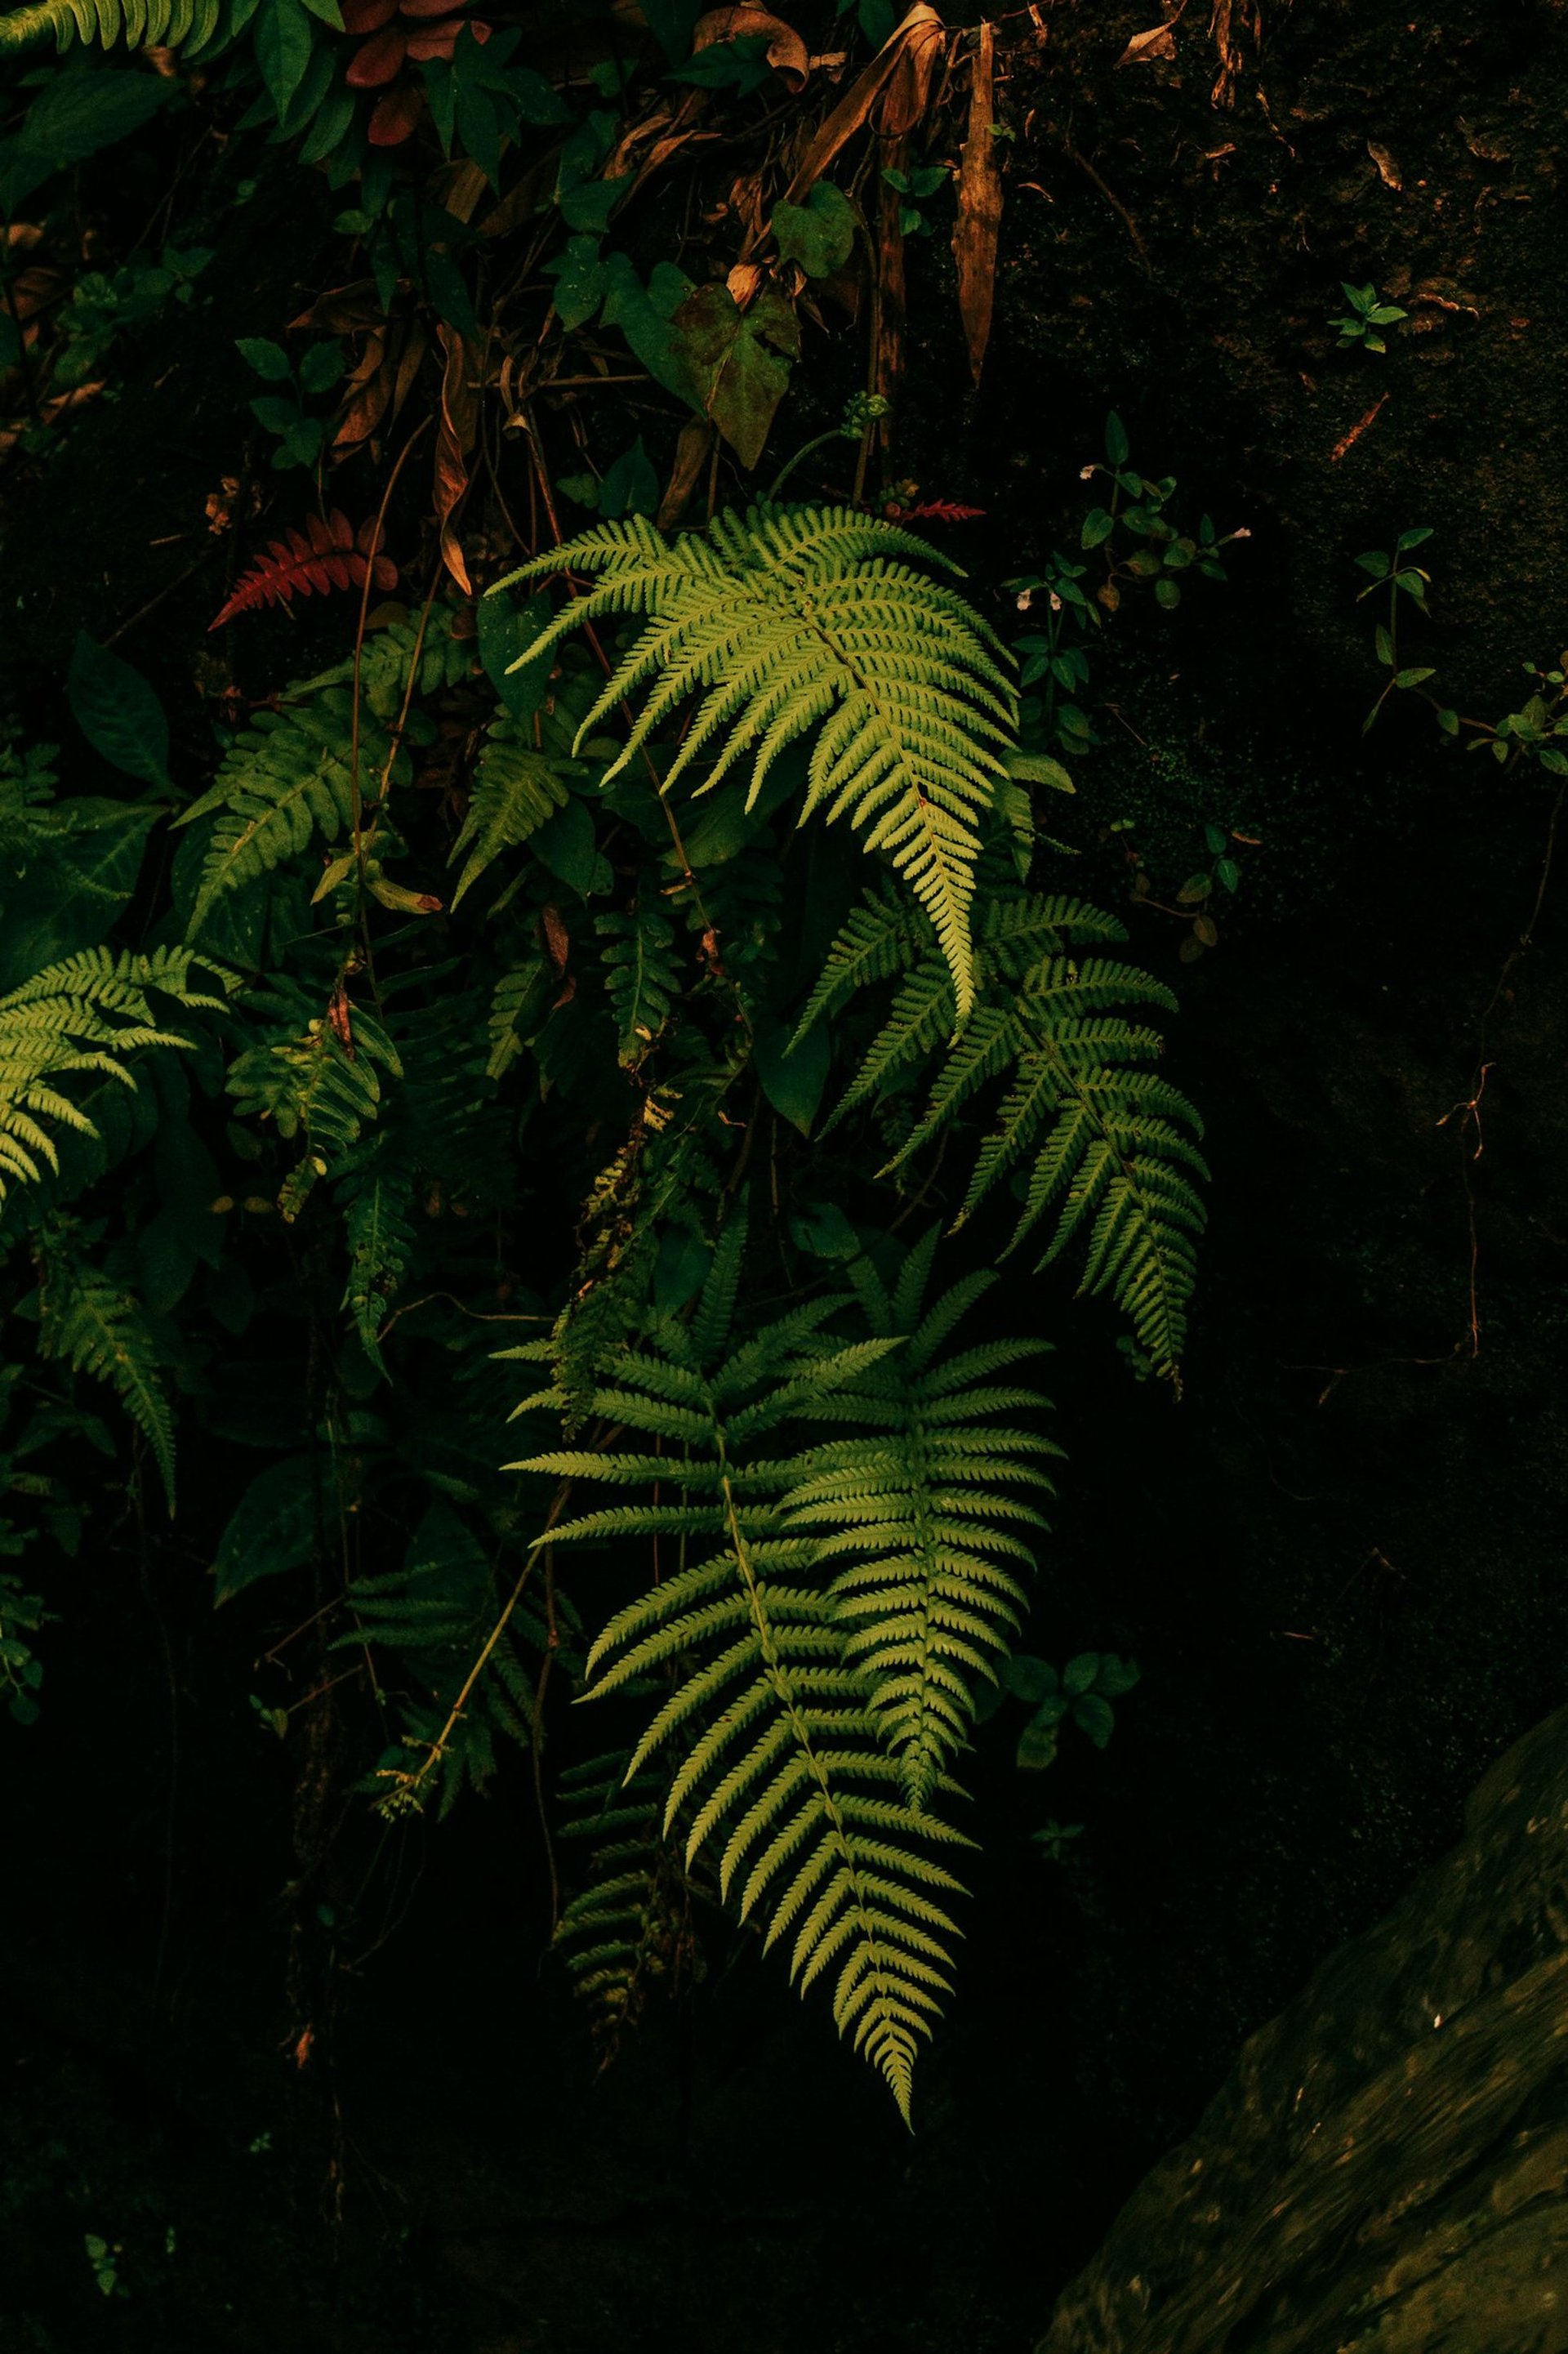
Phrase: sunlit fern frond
{"type": "Point", "coordinates": [89, 1013]}
{"type": "Point", "coordinates": [784, 1778]}
{"type": "Point", "coordinates": [290, 777]}
{"type": "Point", "coordinates": [1090, 1136]}
{"type": "Point", "coordinates": [814, 622]}
{"type": "Point", "coordinates": [517, 789]}
{"type": "Point", "coordinates": [928, 1507]}
{"type": "Point", "coordinates": [186, 25]}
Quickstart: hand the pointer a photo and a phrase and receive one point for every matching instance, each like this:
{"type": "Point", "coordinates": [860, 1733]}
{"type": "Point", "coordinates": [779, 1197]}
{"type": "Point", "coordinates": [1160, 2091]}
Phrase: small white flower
{"type": "Point", "coordinates": [1025, 600]}
{"type": "Point", "coordinates": [1244, 533]}
{"type": "Point", "coordinates": [1055, 602]}
{"type": "Point", "coordinates": [1087, 474]}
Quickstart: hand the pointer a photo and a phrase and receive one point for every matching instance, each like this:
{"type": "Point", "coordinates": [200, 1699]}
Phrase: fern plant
{"type": "Point", "coordinates": [786, 1779]}
{"type": "Point", "coordinates": [791, 621]}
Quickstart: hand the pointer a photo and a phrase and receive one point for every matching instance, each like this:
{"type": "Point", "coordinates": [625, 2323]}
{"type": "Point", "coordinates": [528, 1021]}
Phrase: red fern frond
{"type": "Point", "coordinates": [329, 554]}
{"type": "Point", "coordinates": [934, 511]}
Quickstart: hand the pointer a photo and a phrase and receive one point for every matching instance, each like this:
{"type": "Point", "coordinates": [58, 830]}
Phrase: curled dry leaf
{"type": "Point", "coordinates": [920, 38]}
{"type": "Point", "coordinates": [1159, 41]}
{"type": "Point", "coordinates": [979, 206]}
{"type": "Point", "coordinates": [458, 424]}
{"type": "Point", "coordinates": [786, 52]}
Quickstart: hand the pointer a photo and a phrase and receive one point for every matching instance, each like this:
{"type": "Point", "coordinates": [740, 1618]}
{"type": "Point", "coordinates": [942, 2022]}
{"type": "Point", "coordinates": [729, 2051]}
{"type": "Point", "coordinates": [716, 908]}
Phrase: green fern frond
{"type": "Point", "coordinates": [187, 24]}
{"type": "Point", "coordinates": [930, 1517]}
{"type": "Point", "coordinates": [289, 776]}
{"type": "Point", "coordinates": [88, 1013]}
{"type": "Point", "coordinates": [1084, 1129]}
{"type": "Point", "coordinates": [517, 789]}
{"type": "Point", "coordinates": [785, 1778]}
{"type": "Point", "coordinates": [379, 1228]}
{"type": "Point", "coordinates": [631, 1923]}
{"type": "Point", "coordinates": [97, 1326]}
{"type": "Point", "coordinates": [642, 977]}
{"type": "Point", "coordinates": [316, 1075]}
{"type": "Point", "coordinates": [790, 622]}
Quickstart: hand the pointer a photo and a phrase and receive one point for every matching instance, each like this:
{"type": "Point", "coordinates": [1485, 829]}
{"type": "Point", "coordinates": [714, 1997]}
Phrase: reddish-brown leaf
{"type": "Point", "coordinates": [361, 18]}
{"type": "Point", "coordinates": [324, 556]}
{"type": "Point", "coordinates": [396, 116]}
{"type": "Point", "coordinates": [979, 206]}
{"type": "Point", "coordinates": [377, 61]}
{"type": "Point", "coordinates": [435, 40]}
{"type": "Point", "coordinates": [457, 426]}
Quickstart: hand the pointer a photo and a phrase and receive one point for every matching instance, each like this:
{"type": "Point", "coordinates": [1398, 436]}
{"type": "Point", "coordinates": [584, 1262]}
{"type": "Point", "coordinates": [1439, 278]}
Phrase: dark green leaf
{"type": "Point", "coordinates": [819, 234]}
{"type": "Point", "coordinates": [118, 712]}
{"type": "Point", "coordinates": [275, 1526]}
{"type": "Point", "coordinates": [792, 1082]}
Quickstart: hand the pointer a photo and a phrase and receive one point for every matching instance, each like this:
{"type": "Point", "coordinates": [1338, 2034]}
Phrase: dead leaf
{"type": "Point", "coordinates": [692, 450]}
{"type": "Point", "coordinates": [1159, 41]}
{"type": "Point", "coordinates": [367, 391]}
{"type": "Point", "coordinates": [920, 27]}
{"type": "Point", "coordinates": [455, 437]}
{"type": "Point", "coordinates": [744, 281]}
{"type": "Point", "coordinates": [1341, 449]}
{"type": "Point", "coordinates": [343, 309]}
{"type": "Point", "coordinates": [786, 52]}
{"type": "Point", "coordinates": [409, 367]}
{"type": "Point", "coordinates": [979, 206]}
{"type": "Point", "coordinates": [1387, 169]}
{"type": "Point", "coordinates": [908, 92]}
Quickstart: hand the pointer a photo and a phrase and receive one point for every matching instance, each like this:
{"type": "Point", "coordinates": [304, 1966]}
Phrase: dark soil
{"type": "Point", "coordinates": [1339, 1560]}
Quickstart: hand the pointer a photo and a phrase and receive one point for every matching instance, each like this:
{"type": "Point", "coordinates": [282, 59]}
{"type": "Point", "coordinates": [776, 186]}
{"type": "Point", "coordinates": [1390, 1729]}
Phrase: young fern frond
{"type": "Point", "coordinates": [96, 1325]}
{"type": "Point", "coordinates": [628, 1925]}
{"type": "Point", "coordinates": [187, 24]}
{"type": "Point", "coordinates": [784, 1777]}
{"type": "Point", "coordinates": [795, 621]}
{"type": "Point", "coordinates": [517, 789]}
{"type": "Point", "coordinates": [378, 1227]}
{"type": "Point", "coordinates": [289, 777]}
{"type": "Point", "coordinates": [1084, 1129]}
{"type": "Point", "coordinates": [315, 1077]}
{"type": "Point", "coordinates": [931, 1515]}
{"type": "Point", "coordinates": [88, 1013]}
{"type": "Point", "coordinates": [642, 975]}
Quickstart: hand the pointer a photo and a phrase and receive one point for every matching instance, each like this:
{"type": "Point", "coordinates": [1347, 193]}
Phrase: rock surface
{"type": "Point", "coordinates": [1388, 2165]}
